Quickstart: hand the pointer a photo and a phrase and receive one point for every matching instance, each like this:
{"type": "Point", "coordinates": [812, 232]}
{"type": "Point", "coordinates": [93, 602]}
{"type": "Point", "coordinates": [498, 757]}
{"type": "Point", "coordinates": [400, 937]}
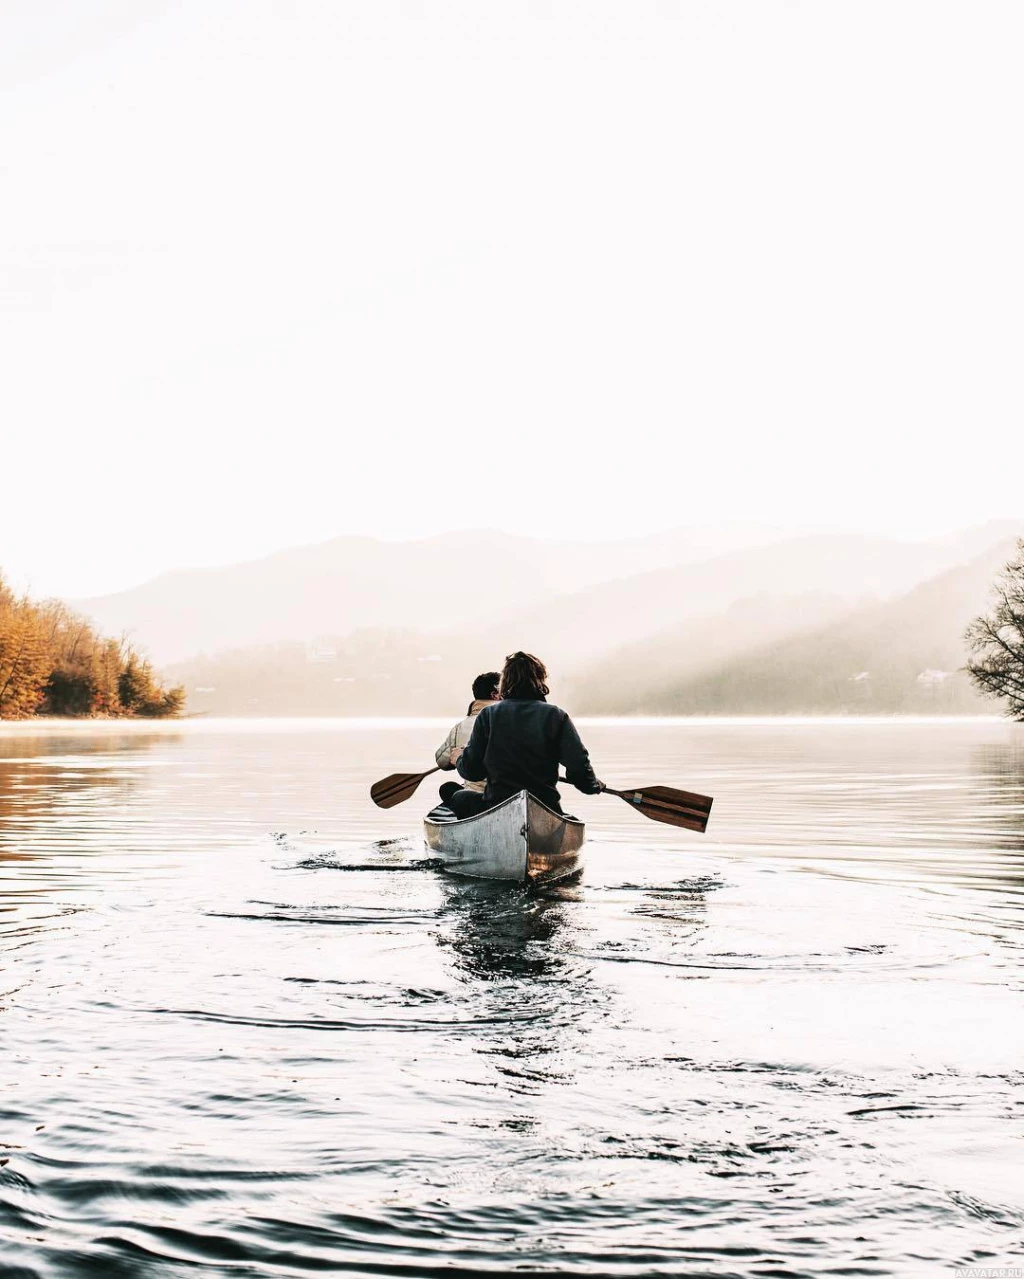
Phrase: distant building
{"type": "Point", "coordinates": [930, 678]}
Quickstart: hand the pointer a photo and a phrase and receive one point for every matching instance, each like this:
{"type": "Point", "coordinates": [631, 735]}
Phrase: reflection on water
{"type": "Point", "coordinates": [998, 773]}
{"type": "Point", "coordinates": [246, 1028]}
{"type": "Point", "coordinates": [498, 932]}
{"type": "Point", "coordinates": [57, 805]}
{"type": "Point", "coordinates": [520, 950]}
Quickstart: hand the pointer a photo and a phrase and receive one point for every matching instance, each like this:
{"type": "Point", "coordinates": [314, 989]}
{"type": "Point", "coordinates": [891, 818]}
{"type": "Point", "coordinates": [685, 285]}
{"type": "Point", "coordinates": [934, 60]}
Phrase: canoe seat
{"type": "Point", "coordinates": [442, 813]}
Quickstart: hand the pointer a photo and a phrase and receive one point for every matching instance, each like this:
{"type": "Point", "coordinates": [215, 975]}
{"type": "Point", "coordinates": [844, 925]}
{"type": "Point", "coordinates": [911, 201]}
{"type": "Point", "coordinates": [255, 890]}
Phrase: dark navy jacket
{"type": "Point", "coordinates": [518, 743]}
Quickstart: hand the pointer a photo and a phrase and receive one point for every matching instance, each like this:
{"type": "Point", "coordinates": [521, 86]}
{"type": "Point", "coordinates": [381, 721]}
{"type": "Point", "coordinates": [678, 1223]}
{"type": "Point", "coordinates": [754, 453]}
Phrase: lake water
{"type": "Point", "coordinates": [242, 1034]}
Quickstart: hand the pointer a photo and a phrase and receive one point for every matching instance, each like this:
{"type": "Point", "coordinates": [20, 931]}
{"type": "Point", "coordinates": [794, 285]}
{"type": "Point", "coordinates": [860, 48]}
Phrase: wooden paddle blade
{"type": "Point", "coordinates": [674, 807]}
{"type": "Point", "coordinates": [396, 789]}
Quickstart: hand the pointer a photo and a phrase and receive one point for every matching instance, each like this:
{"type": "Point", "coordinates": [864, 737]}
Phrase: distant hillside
{"type": "Point", "coordinates": [903, 656]}
{"type": "Point", "coordinates": [460, 581]}
{"type": "Point", "coordinates": [809, 653]}
{"type": "Point", "coordinates": [632, 679]}
{"type": "Point", "coordinates": [370, 672]}
{"type": "Point", "coordinates": [582, 626]}
{"type": "Point", "coordinates": [692, 638]}
{"type": "Point", "coordinates": [391, 671]}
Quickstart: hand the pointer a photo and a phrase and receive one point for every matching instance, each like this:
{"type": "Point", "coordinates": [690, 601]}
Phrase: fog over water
{"type": "Point", "coordinates": [243, 1033]}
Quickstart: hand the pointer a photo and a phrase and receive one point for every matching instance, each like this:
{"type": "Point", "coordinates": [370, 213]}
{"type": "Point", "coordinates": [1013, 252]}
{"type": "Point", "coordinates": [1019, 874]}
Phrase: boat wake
{"type": "Point", "coordinates": [326, 861]}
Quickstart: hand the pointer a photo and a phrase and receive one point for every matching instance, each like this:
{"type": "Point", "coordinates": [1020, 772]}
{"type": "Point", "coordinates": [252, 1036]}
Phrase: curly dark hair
{"type": "Point", "coordinates": [524, 676]}
{"type": "Point", "coordinates": [485, 686]}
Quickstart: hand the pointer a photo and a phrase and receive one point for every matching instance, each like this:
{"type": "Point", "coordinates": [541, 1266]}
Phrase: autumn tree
{"type": "Point", "coordinates": [141, 694]}
{"type": "Point", "coordinates": [996, 639]}
{"type": "Point", "coordinates": [53, 662]}
{"type": "Point", "coordinates": [24, 659]}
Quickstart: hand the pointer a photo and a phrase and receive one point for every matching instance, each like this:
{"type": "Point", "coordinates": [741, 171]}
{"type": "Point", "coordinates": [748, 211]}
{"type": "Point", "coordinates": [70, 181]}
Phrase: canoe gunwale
{"type": "Point", "coordinates": [519, 840]}
{"type": "Point", "coordinates": [460, 822]}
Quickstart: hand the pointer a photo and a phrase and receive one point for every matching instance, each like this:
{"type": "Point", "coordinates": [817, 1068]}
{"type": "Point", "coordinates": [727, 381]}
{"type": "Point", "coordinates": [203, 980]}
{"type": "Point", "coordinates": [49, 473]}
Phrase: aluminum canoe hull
{"type": "Point", "coordinates": [521, 840]}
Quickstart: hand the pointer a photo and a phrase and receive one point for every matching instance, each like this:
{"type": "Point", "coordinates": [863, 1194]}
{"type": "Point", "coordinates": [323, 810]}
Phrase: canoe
{"type": "Point", "coordinates": [520, 839]}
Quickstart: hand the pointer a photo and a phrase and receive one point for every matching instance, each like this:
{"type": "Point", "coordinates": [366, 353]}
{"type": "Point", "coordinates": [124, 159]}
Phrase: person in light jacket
{"type": "Point", "coordinates": [485, 693]}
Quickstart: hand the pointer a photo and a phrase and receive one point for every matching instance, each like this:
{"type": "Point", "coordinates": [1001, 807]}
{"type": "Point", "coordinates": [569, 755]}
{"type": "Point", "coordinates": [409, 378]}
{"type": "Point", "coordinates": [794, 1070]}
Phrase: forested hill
{"type": "Point", "coordinates": [814, 652]}
{"type": "Point", "coordinates": [903, 656]}
{"type": "Point", "coordinates": [53, 662]}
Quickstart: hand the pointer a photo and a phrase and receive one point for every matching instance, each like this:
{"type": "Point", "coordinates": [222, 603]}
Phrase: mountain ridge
{"type": "Point", "coordinates": [496, 584]}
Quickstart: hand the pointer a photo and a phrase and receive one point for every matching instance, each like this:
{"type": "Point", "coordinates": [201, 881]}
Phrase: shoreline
{"type": "Point", "coordinates": [51, 725]}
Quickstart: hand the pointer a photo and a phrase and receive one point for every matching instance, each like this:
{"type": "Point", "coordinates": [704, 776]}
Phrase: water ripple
{"type": "Point", "coordinates": [249, 1029]}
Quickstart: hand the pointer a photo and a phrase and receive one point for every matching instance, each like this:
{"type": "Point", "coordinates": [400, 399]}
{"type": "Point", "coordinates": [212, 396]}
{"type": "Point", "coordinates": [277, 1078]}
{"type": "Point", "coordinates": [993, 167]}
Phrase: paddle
{"type": "Point", "coordinates": [397, 788]}
{"type": "Point", "coordinates": [659, 803]}
{"type": "Point", "coordinates": [665, 804]}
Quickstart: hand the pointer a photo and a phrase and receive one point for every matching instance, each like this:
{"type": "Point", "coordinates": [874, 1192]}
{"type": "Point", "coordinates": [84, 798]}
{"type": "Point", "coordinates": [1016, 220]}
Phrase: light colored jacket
{"type": "Point", "coordinates": [455, 743]}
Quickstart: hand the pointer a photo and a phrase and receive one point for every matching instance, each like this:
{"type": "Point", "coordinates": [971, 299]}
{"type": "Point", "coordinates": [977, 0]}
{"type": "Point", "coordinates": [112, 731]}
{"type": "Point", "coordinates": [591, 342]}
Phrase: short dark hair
{"type": "Point", "coordinates": [485, 686]}
{"type": "Point", "coordinates": [524, 676]}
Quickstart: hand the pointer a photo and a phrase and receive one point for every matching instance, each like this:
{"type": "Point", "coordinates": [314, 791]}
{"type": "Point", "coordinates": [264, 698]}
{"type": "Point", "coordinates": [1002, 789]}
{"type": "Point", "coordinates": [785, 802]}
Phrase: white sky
{"type": "Point", "coordinates": [278, 271]}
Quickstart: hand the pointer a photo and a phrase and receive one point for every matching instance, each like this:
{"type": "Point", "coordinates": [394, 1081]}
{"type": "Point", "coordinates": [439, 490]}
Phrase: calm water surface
{"type": "Point", "coordinates": [242, 1033]}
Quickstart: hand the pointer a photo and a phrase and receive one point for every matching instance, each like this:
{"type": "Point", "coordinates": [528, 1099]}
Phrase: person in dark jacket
{"type": "Point", "coordinates": [518, 743]}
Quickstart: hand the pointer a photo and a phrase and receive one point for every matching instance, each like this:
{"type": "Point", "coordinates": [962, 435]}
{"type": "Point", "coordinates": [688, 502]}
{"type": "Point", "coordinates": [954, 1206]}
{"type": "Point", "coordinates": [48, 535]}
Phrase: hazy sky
{"type": "Point", "coordinates": [278, 271]}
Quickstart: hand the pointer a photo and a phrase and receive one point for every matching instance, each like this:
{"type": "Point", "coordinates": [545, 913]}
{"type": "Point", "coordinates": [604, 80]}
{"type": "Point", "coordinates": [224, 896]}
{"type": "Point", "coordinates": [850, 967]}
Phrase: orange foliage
{"type": "Point", "coordinates": [53, 662]}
